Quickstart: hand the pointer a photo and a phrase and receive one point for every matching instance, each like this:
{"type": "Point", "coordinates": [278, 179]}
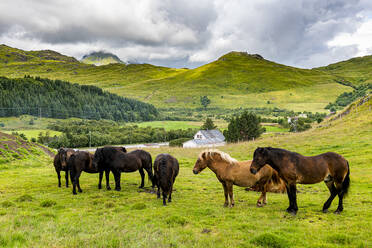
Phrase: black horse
{"type": "Point", "coordinates": [166, 170]}
{"type": "Point", "coordinates": [146, 160]}
{"type": "Point", "coordinates": [295, 168]}
{"type": "Point", "coordinates": [79, 162]}
{"type": "Point", "coordinates": [60, 163]}
{"type": "Point", "coordinates": [109, 158]}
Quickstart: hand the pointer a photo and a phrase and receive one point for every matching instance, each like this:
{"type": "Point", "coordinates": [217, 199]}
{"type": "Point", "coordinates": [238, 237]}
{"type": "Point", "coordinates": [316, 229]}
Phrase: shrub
{"type": "Point", "coordinates": [269, 240]}
{"type": "Point", "coordinates": [178, 142]}
{"type": "Point", "coordinates": [24, 198]}
{"type": "Point", "coordinates": [47, 203]}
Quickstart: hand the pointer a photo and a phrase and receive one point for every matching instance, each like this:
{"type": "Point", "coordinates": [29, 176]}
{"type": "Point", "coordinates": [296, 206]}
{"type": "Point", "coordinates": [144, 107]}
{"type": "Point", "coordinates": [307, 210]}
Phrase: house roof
{"type": "Point", "coordinates": [204, 142]}
{"type": "Point", "coordinates": [213, 135]}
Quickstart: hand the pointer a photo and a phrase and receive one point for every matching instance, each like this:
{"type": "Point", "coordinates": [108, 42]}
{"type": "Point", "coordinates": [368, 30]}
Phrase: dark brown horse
{"type": "Point", "coordinates": [166, 169]}
{"type": "Point", "coordinates": [110, 158]}
{"type": "Point", "coordinates": [60, 163]}
{"type": "Point", "coordinates": [294, 168]}
{"type": "Point", "coordinates": [79, 162]}
{"type": "Point", "coordinates": [146, 160]}
{"type": "Point", "coordinates": [232, 172]}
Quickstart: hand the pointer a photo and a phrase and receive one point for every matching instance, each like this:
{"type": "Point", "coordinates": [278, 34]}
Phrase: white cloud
{"type": "Point", "coordinates": [192, 32]}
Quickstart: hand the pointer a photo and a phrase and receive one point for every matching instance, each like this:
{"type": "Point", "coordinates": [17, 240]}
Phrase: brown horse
{"type": "Point", "coordinates": [294, 168]}
{"type": "Point", "coordinates": [60, 163]}
{"type": "Point", "coordinates": [231, 172]}
{"type": "Point", "coordinates": [80, 161]}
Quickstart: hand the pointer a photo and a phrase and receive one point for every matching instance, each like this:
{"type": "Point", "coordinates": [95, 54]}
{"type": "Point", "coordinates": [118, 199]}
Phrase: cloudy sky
{"type": "Point", "coordinates": [189, 33]}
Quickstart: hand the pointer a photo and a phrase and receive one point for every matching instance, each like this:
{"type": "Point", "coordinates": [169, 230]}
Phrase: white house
{"type": "Point", "coordinates": [206, 138]}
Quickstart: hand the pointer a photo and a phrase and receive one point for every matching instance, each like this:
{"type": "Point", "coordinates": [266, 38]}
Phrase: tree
{"type": "Point", "coordinates": [205, 101]}
{"type": "Point", "coordinates": [208, 124]}
{"type": "Point", "coordinates": [244, 127]}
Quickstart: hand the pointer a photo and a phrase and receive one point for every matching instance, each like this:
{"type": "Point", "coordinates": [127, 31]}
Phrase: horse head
{"type": "Point", "coordinates": [202, 163]}
{"type": "Point", "coordinates": [62, 153]}
{"type": "Point", "coordinates": [98, 158]}
{"type": "Point", "coordinates": [260, 158]}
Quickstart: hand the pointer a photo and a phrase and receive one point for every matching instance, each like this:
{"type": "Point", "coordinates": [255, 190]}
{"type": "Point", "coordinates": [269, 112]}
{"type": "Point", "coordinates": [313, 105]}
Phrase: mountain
{"type": "Point", "coordinates": [14, 55]}
{"type": "Point", "coordinates": [235, 80]}
{"type": "Point", "coordinates": [356, 70]}
{"type": "Point", "coordinates": [101, 58]}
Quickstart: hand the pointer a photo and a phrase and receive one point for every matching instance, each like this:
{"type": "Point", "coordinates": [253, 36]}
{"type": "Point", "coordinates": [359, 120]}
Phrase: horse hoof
{"type": "Point", "coordinates": [325, 210]}
{"type": "Point", "coordinates": [338, 211]}
{"type": "Point", "coordinates": [108, 188]}
{"type": "Point", "coordinates": [117, 189]}
{"type": "Point", "coordinates": [225, 205]}
{"type": "Point", "coordinates": [74, 193]}
{"type": "Point", "coordinates": [99, 187]}
{"type": "Point", "coordinates": [80, 191]}
{"type": "Point", "coordinates": [259, 205]}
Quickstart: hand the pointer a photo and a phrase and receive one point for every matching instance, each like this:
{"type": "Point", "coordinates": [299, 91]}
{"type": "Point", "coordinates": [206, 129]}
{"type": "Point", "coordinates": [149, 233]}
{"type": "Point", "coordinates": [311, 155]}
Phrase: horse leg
{"type": "Point", "coordinates": [142, 178]}
{"type": "Point", "coordinates": [170, 193]}
{"type": "Point", "coordinates": [78, 181]}
{"type": "Point", "coordinates": [289, 209]}
{"type": "Point", "coordinates": [226, 194]}
{"type": "Point", "coordinates": [262, 200]}
{"type": "Point", "coordinates": [151, 177]}
{"type": "Point", "coordinates": [100, 180]}
{"type": "Point", "coordinates": [107, 174]}
{"type": "Point", "coordinates": [59, 177]}
{"type": "Point", "coordinates": [333, 191]}
{"type": "Point", "coordinates": [294, 198]}
{"type": "Point", "coordinates": [72, 176]}
{"type": "Point", "coordinates": [340, 194]}
{"type": "Point", "coordinates": [66, 177]}
{"type": "Point", "coordinates": [229, 186]}
{"type": "Point", "coordinates": [291, 192]}
{"type": "Point", "coordinates": [164, 198]}
{"type": "Point", "coordinates": [117, 175]}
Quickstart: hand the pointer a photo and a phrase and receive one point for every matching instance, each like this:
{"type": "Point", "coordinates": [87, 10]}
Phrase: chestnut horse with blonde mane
{"type": "Point", "coordinates": [232, 172]}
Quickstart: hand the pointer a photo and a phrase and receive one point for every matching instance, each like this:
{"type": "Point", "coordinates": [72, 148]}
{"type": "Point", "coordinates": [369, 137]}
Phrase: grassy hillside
{"type": "Point", "coordinates": [356, 70]}
{"type": "Point", "coordinates": [36, 213]}
{"type": "Point", "coordinates": [14, 148]}
{"type": "Point", "coordinates": [235, 80]}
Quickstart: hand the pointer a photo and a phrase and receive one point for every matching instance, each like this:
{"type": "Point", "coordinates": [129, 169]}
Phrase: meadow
{"type": "Point", "coordinates": [34, 212]}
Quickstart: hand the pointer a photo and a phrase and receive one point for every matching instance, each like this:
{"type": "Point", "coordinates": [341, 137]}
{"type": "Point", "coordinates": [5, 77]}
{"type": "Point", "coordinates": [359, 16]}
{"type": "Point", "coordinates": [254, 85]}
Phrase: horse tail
{"type": "Point", "coordinates": [150, 173]}
{"type": "Point", "coordinates": [276, 180]}
{"type": "Point", "coordinates": [346, 183]}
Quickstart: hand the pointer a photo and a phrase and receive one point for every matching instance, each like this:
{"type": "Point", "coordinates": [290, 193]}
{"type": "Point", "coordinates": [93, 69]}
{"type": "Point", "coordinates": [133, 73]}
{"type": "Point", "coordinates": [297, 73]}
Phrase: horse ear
{"type": "Point", "coordinates": [203, 156]}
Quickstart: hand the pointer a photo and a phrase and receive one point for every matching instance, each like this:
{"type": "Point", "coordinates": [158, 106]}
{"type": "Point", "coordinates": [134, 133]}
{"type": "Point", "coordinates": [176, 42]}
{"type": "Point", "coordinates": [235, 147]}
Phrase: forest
{"type": "Point", "coordinates": [60, 99]}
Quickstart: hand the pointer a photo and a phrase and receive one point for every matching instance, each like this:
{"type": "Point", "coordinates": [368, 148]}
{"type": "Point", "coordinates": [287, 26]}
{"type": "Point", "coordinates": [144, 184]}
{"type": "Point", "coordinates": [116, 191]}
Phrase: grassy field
{"type": "Point", "coordinates": [34, 212]}
{"type": "Point", "coordinates": [35, 132]}
{"type": "Point", "coordinates": [234, 80]}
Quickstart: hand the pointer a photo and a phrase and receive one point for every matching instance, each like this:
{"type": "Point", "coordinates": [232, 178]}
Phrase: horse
{"type": "Point", "coordinates": [60, 163]}
{"type": "Point", "coordinates": [79, 162]}
{"type": "Point", "coordinates": [112, 159]}
{"type": "Point", "coordinates": [146, 160]}
{"type": "Point", "coordinates": [231, 172]}
{"type": "Point", "coordinates": [295, 168]}
{"type": "Point", "coordinates": [166, 169]}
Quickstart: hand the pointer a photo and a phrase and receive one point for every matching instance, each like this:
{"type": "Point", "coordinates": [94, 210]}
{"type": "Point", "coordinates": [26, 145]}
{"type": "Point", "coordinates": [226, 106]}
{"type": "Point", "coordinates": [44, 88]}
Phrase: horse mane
{"type": "Point", "coordinates": [210, 154]}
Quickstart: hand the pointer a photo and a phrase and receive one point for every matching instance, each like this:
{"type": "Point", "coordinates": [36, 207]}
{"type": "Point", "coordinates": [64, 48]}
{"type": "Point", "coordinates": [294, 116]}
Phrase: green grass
{"type": "Point", "coordinates": [275, 129]}
{"type": "Point", "coordinates": [234, 80]}
{"type": "Point", "coordinates": [35, 132]}
{"type": "Point", "coordinates": [355, 70]}
{"type": "Point", "coordinates": [170, 125]}
{"type": "Point", "coordinates": [52, 217]}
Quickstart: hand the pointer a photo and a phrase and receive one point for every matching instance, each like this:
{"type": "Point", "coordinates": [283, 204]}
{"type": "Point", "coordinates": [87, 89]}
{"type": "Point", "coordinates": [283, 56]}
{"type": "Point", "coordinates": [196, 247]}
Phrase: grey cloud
{"type": "Point", "coordinates": [186, 33]}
